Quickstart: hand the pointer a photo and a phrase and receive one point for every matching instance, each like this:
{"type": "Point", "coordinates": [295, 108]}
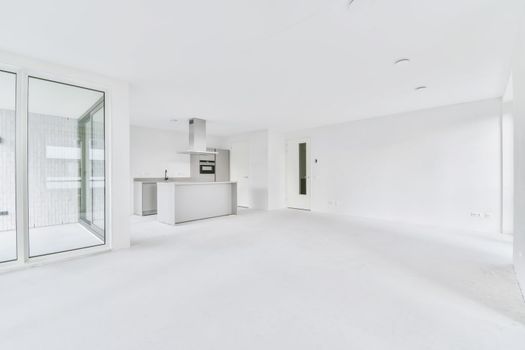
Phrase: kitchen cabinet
{"type": "Point", "coordinates": [222, 165]}
{"type": "Point", "coordinates": [145, 198]}
{"type": "Point", "coordinates": [211, 167]}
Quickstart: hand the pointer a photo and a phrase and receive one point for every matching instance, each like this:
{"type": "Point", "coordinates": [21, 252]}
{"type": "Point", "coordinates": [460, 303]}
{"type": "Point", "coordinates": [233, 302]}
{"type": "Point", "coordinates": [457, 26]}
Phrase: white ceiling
{"type": "Point", "coordinates": [288, 64]}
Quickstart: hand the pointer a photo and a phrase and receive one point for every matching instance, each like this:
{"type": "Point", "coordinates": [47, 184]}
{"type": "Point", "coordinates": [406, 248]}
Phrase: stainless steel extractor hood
{"type": "Point", "coordinates": [197, 137]}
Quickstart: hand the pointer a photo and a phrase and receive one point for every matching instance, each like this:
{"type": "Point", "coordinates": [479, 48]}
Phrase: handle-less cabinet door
{"type": "Point", "coordinates": [240, 171]}
{"type": "Point", "coordinates": [149, 198]}
{"type": "Point", "coordinates": [222, 165]}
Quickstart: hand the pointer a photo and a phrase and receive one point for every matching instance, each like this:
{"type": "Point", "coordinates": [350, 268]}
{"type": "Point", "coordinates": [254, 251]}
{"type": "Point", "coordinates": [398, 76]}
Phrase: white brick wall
{"type": "Point", "coordinates": [52, 201]}
{"type": "Point", "coordinates": [54, 180]}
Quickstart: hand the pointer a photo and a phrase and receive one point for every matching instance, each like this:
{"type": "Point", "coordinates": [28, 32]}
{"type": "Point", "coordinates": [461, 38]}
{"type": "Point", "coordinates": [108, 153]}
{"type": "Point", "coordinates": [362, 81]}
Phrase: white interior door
{"type": "Point", "coordinates": [298, 174]}
{"type": "Point", "coordinates": [240, 170]}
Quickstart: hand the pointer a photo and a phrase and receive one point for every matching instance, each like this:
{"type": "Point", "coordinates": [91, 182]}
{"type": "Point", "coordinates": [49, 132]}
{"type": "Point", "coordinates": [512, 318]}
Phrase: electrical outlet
{"type": "Point", "coordinates": [4, 213]}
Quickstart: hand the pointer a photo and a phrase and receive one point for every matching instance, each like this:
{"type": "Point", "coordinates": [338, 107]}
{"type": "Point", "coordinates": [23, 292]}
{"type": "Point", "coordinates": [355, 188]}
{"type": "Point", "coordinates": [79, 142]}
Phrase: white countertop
{"type": "Point", "coordinates": [161, 179]}
{"type": "Point", "coordinates": [195, 183]}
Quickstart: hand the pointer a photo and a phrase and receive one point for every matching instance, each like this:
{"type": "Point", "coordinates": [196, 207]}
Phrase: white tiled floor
{"type": "Point", "coordinates": [50, 239]}
{"type": "Point", "coordinates": [273, 280]}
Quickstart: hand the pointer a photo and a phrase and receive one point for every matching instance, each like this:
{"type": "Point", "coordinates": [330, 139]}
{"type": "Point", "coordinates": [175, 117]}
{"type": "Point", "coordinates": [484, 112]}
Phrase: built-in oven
{"type": "Point", "coordinates": [207, 167]}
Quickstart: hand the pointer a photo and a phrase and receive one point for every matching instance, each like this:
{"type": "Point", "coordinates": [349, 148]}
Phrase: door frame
{"type": "Point", "coordinates": [84, 183]}
{"type": "Point", "coordinates": [306, 205]}
{"type": "Point", "coordinates": [33, 69]}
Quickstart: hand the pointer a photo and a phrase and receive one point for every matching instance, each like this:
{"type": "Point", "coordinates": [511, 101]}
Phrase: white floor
{"type": "Point", "coordinates": [273, 280]}
{"type": "Point", "coordinates": [49, 239]}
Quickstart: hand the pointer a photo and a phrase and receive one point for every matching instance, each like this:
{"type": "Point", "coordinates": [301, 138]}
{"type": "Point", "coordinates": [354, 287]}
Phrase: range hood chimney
{"type": "Point", "coordinates": [197, 137]}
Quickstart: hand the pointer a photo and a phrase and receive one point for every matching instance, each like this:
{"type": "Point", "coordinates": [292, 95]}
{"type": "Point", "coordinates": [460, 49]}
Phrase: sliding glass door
{"type": "Point", "coordinates": [8, 237]}
{"type": "Point", "coordinates": [92, 169]}
{"type": "Point", "coordinates": [66, 167]}
{"type": "Point", "coordinates": [52, 167]}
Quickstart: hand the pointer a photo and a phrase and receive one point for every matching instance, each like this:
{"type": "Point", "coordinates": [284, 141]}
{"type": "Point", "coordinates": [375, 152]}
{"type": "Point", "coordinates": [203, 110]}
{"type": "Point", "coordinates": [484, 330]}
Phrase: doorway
{"type": "Point", "coordinates": [52, 192]}
{"type": "Point", "coordinates": [298, 189]}
{"type": "Point", "coordinates": [65, 167]}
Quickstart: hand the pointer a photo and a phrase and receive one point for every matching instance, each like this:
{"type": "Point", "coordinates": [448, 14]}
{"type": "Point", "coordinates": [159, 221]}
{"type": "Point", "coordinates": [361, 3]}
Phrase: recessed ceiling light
{"type": "Point", "coordinates": [421, 88]}
{"type": "Point", "coordinates": [402, 60]}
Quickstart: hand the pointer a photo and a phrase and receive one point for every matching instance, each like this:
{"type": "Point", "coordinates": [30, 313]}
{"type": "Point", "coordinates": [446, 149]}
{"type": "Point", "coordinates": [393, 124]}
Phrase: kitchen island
{"type": "Point", "coordinates": [145, 193]}
{"type": "Point", "coordinates": [179, 202]}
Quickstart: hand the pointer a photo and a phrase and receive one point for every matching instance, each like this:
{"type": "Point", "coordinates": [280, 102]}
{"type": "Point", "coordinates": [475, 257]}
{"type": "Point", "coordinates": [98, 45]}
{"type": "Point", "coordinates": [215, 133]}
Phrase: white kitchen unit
{"type": "Point", "coordinates": [240, 171]}
{"type": "Point", "coordinates": [211, 167]}
{"type": "Point", "coordinates": [187, 201]}
{"type": "Point", "coordinates": [145, 197]}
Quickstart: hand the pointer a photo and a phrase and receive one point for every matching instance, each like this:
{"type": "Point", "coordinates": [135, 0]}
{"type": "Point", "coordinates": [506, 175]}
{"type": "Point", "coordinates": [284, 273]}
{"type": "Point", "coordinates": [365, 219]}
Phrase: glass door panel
{"type": "Point", "coordinates": [91, 130]}
{"type": "Point", "coordinates": [8, 249]}
{"type": "Point", "coordinates": [98, 166]}
{"type": "Point", "coordinates": [298, 174]}
{"type": "Point", "coordinates": [61, 148]}
{"type": "Point", "coordinates": [86, 171]}
{"type": "Point", "coordinates": [302, 169]}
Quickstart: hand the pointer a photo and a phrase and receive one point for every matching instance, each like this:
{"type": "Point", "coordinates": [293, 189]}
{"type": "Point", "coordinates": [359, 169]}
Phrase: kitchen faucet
{"type": "Point", "coordinates": [166, 175]}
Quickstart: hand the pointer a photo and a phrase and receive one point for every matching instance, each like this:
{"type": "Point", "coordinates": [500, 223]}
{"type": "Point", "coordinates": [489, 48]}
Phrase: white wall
{"type": "Point", "coordinates": [117, 114]}
{"type": "Point", "coordinates": [154, 150]}
{"type": "Point", "coordinates": [507, 168]}
{"type": "Point", "coordinates": [119, 161]}
{"type": "Point", "coordinates": [266, 170]}
{"type": "Point", "coordinates": [276, 170]}
{"type": "Point", "coordinates": [519, 158]}
{"type": "Point", "coordinates": [432, 167]}
{"type": "Point", "coordinates": [257, 144]}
